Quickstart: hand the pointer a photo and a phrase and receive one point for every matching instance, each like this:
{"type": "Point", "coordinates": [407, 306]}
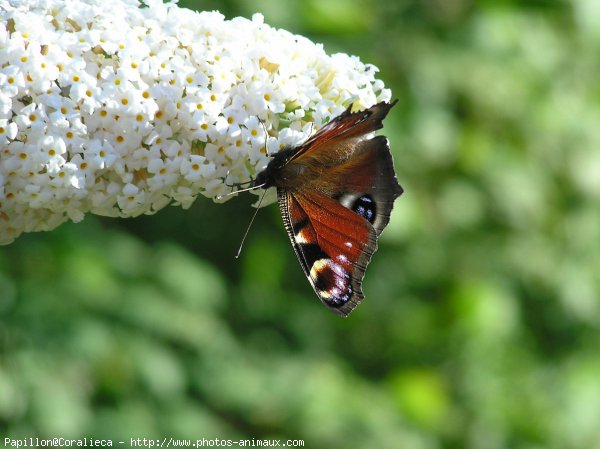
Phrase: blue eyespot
{"type": "Point", "coordinates": [365, 207]}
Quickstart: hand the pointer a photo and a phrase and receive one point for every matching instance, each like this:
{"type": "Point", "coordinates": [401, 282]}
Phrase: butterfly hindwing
{"type": "Point", "coordinates": [367, 182]}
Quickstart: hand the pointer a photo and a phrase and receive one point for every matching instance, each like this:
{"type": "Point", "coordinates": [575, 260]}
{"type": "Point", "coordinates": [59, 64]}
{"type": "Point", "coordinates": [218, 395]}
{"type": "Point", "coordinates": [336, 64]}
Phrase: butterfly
{"type": "Point", "coordinates": [335, 193]}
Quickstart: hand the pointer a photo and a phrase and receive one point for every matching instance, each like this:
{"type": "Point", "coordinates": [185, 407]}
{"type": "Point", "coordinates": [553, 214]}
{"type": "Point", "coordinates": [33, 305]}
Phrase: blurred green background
{"type": "Point", "coordinates": [481, 324]}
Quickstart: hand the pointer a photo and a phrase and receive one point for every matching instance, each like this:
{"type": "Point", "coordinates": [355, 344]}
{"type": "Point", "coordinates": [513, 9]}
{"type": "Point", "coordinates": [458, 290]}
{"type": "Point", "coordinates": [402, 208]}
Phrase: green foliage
{"type": "Point", "coordinates": [481, 325]}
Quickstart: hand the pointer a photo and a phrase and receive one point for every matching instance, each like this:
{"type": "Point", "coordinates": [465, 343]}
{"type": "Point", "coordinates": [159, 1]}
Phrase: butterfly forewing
{"type": "Point", "coordinates": [346, 126]}
{"type": "Point", "coordinates": [333, 258]}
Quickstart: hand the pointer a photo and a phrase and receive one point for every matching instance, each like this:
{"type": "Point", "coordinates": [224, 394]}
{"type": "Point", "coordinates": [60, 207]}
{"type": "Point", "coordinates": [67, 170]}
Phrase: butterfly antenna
{"type": "Point", "coordinates": [235, 184]}
{"type": "Point", "coordinates": [250, 225]}
{"type": "Point", "coordinates": [247, 189]}
{"type": "Point", "coordinates": [266, 136]}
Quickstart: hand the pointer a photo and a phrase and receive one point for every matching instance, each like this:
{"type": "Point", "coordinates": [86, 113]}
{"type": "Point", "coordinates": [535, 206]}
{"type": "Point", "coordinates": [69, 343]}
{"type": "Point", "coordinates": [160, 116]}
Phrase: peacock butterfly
{"type": "Point", "coordinates": [335, 192]}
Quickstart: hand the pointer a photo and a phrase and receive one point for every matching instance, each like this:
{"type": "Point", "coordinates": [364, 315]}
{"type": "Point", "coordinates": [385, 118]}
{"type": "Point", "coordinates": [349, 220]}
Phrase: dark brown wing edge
{"type": "Point", "coordinates": [346, 125]}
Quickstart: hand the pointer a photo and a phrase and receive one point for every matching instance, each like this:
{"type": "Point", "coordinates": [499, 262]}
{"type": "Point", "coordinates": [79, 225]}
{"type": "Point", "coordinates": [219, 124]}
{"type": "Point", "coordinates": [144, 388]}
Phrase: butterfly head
{"type": "Point", "coordinates": [271, 176]}
{"type": "Point", "coordinates": [264, 179]}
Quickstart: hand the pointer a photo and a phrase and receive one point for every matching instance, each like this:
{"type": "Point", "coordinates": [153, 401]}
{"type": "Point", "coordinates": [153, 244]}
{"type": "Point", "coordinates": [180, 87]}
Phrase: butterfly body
{"type": "Point", "coordinates": [335, 192]}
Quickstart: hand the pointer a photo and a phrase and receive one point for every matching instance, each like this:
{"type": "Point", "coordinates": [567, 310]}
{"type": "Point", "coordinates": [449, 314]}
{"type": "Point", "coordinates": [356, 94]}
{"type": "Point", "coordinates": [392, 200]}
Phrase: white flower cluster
{"type": "Point", "coordinates": [120, 107]}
